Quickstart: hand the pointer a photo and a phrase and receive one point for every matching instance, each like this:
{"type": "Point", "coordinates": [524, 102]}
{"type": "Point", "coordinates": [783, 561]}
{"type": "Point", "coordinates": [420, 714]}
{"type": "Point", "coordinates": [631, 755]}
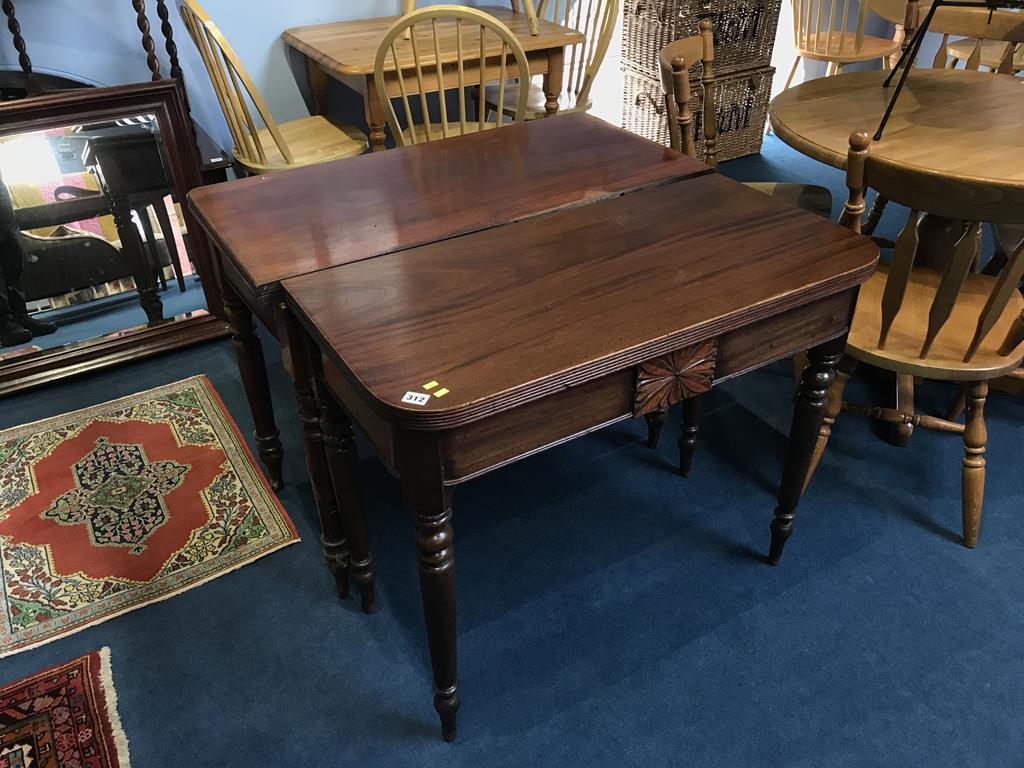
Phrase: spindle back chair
{"type": "Point", "coordinates": [835, 31]}
{"type": "Point", "coordinates": [991, 37]}
{"type": "Point", "coordinates": [946, 322]}
{"type": "Point", "coordinates": [596, 20]}
{"type": "Point", "coordinates": [479, 48]}
{"type": "Point", "coordinates": [274, 146]}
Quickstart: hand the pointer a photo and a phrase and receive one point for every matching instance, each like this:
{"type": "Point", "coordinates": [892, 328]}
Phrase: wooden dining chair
{"type": "Point", "coordinates": [596, 19]}
{"type": "Point", "coordinates": [408, 69]}
{"type": "Point", "coordinates": [823, 30]}
{"type": "Point", "coordinates": [529, 6]}
{"type": "Point", "coordinates": [993, 40]}
{"type": "Point", "coordinates": [677, 62]}
{"type": "Point", "coordinates": [948, 323]}
{"type": "Point", "coordinates": [275, 146]}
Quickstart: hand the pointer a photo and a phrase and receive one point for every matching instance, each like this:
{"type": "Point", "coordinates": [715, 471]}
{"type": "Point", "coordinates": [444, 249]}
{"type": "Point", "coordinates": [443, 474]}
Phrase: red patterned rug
{"type": "Point", "coordinates": [63, 717]}
{"type": "Point", "coordinates": [120, 505]}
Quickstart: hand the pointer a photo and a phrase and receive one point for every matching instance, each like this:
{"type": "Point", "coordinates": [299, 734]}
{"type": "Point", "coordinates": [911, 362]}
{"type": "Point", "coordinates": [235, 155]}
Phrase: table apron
{"type": "Point", "coordinates": [472, 449]}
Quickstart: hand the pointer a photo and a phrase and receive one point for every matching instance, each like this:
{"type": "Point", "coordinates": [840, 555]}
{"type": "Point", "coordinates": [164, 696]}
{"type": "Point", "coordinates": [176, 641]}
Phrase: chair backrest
{"type": "Point", "coordinates": [921, 195]}
{"type": "Point", "coordinates": [233, 87]}
{"type": "Point", "coordinates": [980, 24]}
{"type": "Point", "coordinates": [408, 6]}
{"type": "Point", "coordinates": [675, 61]}
{"type": "Point", "coordinates": [596, 19]}
{"type": "Point", "coordinates": [447, 47]}
{"type": "Point", "coordinates": [822, 27]}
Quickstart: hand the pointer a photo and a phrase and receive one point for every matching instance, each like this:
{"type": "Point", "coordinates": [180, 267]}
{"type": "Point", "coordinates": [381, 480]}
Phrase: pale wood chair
{"type": "Point", "coordinates": [823, 30]}
{"type": "Point", "coordinates": [596, 19]}
{"type": "Point", "coordinates": [993, 40]}
{"type": "Point", "coordinates": [529, 6]}
{"type": "Point", "coordinates": [482, 46]}
{"type": "Point", "coordinates": [676, 61]}
{"type": "Point", "coordinates": [275, 146]}
{"type": "Point", "coordinates": [946, 323]}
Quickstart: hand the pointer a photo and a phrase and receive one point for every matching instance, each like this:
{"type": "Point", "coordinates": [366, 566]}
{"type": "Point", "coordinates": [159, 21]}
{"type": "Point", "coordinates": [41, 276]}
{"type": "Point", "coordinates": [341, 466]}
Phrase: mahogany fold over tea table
{"type": "Point", "coordinates": [460, 356]}
{"type": "Point", "coordinates": [266, 229]}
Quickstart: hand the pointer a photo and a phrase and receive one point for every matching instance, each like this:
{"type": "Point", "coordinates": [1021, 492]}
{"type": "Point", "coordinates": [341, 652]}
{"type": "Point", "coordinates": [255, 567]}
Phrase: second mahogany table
{"type": "Point", "coordinates": [458, 357]}
{"type": "Point", "coordinates": [266, 229]}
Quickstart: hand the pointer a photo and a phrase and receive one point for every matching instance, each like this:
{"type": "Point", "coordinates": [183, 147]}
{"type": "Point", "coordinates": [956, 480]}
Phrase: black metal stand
{"type": "Point", "coordinates": [909, 55]}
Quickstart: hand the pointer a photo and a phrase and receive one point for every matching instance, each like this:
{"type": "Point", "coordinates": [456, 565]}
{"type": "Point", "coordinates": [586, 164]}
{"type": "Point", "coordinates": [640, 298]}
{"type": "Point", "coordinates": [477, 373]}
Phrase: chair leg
{"type": "Point", "coordinates": [833, 406]}
{"type": "Point", "coordinates": [900, 434]}
{"type": "Point", "coordinates": [792, 73]}
{"type": "Point", "coordinates": [688, 434]}
{"type": "Point", "coordinates": [874, 215]}
{"type": "Point", "coordinates": [959, 403]}
{"type": "Point", "coordinates": [973, 473]}
{"type": "Point", "coordinates": [655, 421]}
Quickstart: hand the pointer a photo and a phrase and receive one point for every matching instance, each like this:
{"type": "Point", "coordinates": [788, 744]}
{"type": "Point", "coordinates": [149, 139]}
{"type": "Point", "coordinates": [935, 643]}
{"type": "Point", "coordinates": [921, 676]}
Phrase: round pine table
{"type": "Point", "coordinates": [958, 127]}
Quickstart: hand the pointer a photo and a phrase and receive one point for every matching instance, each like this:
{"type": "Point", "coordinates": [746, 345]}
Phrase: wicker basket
{"type": "Point", "coordinates": [744, 30]}
{"type": "Point", "coordinates": [741, 105]}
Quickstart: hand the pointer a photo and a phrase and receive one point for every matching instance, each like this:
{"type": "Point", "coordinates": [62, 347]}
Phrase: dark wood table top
{"type": "Point", "coordinates": [512, 314]}
{"type": "Point", "coordinates": [308, 219]}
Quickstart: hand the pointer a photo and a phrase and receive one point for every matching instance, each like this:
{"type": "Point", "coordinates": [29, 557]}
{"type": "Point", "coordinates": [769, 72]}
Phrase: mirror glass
{"type": "Point", "coordinates": [92, 240]}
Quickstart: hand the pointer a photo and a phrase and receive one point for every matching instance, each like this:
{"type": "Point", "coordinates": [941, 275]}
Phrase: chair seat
{"type": "Point", "coordinates": [992, 52]}
{"type": "Point", "coordinates": [806, 196]}
{"type": "Point", "coordinates": [945, 359]}
{"type": "Point", "coordinates": [312, 140]}
{"type": "Point", "coordinates": [829, 50]}
{"type": "Point", "coordinates": [536, 101]}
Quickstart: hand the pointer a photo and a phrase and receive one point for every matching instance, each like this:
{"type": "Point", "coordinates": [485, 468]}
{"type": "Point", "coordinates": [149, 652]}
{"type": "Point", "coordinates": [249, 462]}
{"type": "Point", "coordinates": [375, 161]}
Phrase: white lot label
{"type": "Point", "coordinates": [416, 398]}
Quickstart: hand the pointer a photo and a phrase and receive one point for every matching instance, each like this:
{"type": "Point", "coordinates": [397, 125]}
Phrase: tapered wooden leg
{"type": "Point", "coordinates": [343, 462]}
{"type": "Point", "coordinates": [958, 405]}
{"type": "Point", "coordinates": [688, 434]}
{"type": "Point", "coordinates": [792, 73]}
{"type": "Point", "coordinates": [808, 413]}
{"type": "Point", "coordinates": [973, 473]}
{"type": "Point", "coordinates": [164, 220]}
{"type": "Point", "coordinates": [431, 502]}
{"type": "Point", "coordinates": [553, 80]}
{"type": "Point", "coordinates": [253, 369]}
{"type": "Point", "coordinates": [298, 353]}
{"type": "Point", "coordinates": [833, 406]}
{"type": "Point", "coordinates": [655, 423]}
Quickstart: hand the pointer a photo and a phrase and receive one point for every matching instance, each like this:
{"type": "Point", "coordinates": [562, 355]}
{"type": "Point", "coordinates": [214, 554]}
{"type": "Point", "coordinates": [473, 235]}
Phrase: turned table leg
{"type": "Point", "coordinates": [808, 414]}
{"type": "Point", "coordinates": [688, 433]}
{"type": "Point", "coordinates": [343, 463]}
{"type": "Point", "coordinates": [253, 370]}
{"type": "Point", "coordinates": [655, 423]}
{"type": "Point", "coordinates": [431, 503]}
{"type": "Point", "coordinates": [299, 352]}
{"type": "Point", "coordinates": [131, 242]}
{"type": "Point", "coordinates": [375, 117]}
{"type": "Point", "coordinates": [553, 80]}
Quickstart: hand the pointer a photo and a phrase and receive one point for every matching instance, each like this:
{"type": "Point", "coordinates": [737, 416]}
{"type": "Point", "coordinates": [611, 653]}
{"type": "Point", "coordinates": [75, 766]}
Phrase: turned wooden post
{"type": "Point", "coordinates": [148, 45]}
{"type": "Point", "coordinates": [31, 83]}
{"type": "Point", "coordinates": [973, 473]}
{"type": "Point", "coordinates": [803, 435]}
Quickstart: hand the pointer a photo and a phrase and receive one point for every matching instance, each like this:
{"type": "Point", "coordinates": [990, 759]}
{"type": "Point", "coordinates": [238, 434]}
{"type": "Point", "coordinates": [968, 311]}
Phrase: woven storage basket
{"type": "Point", "coordinates": [744, 30]}
{"type": "Point", "coordinates": [741, 101]}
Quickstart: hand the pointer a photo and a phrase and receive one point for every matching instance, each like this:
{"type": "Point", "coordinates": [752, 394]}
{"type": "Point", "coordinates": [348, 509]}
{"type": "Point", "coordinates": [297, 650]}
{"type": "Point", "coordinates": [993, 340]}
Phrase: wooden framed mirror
{"type": "Point", "coordinates": [94, 236]}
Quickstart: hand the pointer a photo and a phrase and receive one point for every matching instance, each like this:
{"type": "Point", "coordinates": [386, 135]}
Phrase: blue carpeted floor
{"type": "Point", "coordinates": [611, 613]}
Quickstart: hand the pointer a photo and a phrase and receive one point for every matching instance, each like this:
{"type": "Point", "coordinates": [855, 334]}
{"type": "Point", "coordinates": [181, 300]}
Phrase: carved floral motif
{"type": "Point", "coordinates": [665, 380]}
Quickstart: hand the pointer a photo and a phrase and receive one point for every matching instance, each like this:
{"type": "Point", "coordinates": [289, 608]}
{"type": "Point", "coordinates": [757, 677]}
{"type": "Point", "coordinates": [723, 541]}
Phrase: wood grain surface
{"type": "Point", "coordinates": [953, 125]}
{"type": "Point", "coordinates": [308, 219]}
{"type": "Point", "coordinates": [349, 47]}
{"type": "Point", "coordinates": [508, 315]}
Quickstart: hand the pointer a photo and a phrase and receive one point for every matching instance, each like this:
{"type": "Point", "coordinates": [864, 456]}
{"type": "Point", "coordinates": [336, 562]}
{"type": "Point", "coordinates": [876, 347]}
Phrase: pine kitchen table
{"type": "Point", "coordinates": [460, 356]}
{"type": "Point", "coordinates": [345, 51]}
{"type": "Point", "coordinates": [266, 229]}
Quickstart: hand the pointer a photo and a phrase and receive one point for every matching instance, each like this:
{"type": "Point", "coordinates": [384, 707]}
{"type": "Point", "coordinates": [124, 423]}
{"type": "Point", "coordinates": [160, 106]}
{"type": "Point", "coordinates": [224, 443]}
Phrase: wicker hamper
{"type": "Point", "coordinates": [744, 30]}
{"type": "Point", "coordinates": [741, 105]}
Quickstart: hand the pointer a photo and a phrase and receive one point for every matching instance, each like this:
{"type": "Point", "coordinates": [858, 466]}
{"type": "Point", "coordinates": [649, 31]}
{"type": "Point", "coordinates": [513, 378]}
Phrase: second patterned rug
{"type": "Point", "coordinates": [120, 505]}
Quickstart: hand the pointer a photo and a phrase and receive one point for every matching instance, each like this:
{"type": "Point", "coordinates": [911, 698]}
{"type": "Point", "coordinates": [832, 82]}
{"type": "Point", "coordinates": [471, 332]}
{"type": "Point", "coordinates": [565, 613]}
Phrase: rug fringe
{"type": "Point", "coordinates": [110, 703]}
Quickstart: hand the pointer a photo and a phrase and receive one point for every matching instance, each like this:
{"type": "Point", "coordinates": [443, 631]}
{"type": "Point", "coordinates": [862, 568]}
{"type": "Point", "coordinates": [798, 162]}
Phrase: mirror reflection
{"type": "Point", "coordinates": [92, 239]}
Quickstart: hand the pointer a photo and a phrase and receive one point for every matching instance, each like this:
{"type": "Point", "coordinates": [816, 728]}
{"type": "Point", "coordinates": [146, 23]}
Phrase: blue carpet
{"type": "Point", "coordinates": [611, 613]}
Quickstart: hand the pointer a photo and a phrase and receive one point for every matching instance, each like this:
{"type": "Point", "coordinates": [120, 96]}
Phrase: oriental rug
{"type": "Point", "coordinates": [117, 506]}
{"type": "Point", "coordinates": [63, 717]}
